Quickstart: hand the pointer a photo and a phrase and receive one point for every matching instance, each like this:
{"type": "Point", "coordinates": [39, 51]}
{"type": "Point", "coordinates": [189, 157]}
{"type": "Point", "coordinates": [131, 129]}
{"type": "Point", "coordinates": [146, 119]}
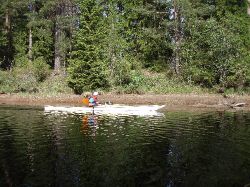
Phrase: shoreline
{"type": "Point", "coordinates": [172, 102]}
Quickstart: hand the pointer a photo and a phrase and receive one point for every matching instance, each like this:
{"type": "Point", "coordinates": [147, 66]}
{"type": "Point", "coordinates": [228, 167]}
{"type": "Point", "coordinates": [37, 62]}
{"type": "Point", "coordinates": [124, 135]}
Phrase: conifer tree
{"type": "Point", "coordinates": [29, 33]}
{"type": "Point", "coordinates": [7, 10]}
{"type": "Point", "coordinates": [3, 38]}
{"type": "Point", "coordinates": [86, 69]}
{"type": "Point", "coordinates": [60, 15]}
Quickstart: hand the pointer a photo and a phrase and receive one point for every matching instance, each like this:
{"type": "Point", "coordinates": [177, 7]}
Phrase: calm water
{"type": "Point", "coordinates": [179, 149]}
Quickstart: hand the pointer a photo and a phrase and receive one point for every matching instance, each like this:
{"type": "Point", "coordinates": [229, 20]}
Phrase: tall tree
{"type": "Point", "coordinates": [61, 13]}
{"type": "Point", "coordinates": [152, 28]}
{"type": "Point", "coordinates": [87, 66]}
{"type": "Point", "coordinates": [8, 13]}
{"type": "Point", "coordinates": [33, 11]}
{"type": "Point", "coordinates": [115, 39]}
{"type": "Point", "coordinates": [3, 39]}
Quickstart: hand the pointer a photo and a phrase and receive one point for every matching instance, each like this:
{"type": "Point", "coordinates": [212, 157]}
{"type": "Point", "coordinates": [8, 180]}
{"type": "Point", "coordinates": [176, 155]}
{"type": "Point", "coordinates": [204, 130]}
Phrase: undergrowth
{"type": "Point", "coordinates": [158, 83]}
{"type": "Point", "coordinates": [25, 81]}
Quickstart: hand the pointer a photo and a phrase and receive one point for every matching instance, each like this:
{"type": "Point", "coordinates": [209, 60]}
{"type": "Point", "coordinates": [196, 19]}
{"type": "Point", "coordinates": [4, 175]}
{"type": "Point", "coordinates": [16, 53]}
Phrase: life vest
{"type": "Point", "coordinates": [92, 101]}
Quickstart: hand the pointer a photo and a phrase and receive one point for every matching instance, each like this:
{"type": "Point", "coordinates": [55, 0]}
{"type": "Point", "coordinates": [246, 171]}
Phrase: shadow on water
{"type": "Point", "coordinates": [178, 149]}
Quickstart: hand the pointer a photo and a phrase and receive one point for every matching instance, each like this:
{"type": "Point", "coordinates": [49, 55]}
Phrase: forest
{"type": "Point", "coordinates": [124, 46]}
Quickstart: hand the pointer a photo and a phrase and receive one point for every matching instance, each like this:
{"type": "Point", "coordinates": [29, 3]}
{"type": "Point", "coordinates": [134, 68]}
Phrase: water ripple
{"type": "Point", "coordinates": [123, 150]}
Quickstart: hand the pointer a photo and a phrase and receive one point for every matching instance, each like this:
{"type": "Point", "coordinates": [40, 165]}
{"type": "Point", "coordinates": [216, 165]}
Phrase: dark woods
{"type": "Point", "coordinates": [107, 44]}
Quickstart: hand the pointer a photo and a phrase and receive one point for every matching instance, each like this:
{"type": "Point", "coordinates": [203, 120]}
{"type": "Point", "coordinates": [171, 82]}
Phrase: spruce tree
{"type": "Point", "coordinates": [86, 69]}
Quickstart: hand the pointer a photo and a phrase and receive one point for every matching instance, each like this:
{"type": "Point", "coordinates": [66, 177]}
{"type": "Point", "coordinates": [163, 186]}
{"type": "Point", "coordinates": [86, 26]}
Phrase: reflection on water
{"type": "Point", "coordinates": [179, 149]}
{"type": "Point", "coordinates": [89, 121]}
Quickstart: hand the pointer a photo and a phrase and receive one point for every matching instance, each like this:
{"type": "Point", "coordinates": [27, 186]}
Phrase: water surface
{"type": "Point", "coordinates": [178, 149]}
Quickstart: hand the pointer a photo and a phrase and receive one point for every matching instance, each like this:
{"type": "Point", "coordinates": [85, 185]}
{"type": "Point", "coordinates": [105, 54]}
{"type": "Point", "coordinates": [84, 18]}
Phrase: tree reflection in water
{"type": "Point", "coordinates": [180, 149]}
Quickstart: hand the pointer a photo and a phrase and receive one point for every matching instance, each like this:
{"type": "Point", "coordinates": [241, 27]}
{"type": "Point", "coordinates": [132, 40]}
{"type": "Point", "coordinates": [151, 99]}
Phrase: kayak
{"type": "Point", "coordinates": [140, 110]}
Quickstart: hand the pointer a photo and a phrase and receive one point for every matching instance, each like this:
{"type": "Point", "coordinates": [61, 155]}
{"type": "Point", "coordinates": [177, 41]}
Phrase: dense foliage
{"type": "Point", "coordinates": [124, 45]}
{"type": "Point", "coordinates": [86, 70]}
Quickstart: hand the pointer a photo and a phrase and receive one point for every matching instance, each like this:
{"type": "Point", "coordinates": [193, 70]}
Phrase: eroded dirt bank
{"type": "Point", "coordinates": [171, 101]}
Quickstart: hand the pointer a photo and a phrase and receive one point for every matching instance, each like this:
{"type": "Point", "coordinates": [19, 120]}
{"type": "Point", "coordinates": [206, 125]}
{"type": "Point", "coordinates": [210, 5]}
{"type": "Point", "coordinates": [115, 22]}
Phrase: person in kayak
{"type": "Point", "coordinates": [93, 100]}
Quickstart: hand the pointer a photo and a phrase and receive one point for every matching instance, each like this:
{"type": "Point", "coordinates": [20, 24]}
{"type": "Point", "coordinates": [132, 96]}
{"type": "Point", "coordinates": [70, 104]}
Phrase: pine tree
{"type": "Point", "coordinates": [3, 38]}
{"type": "Point", "coordinates": [8, 11]}
{"type": "Point", "coordinates": [61, 16]}
{"type": "Point", "coordinates": [86, 70]}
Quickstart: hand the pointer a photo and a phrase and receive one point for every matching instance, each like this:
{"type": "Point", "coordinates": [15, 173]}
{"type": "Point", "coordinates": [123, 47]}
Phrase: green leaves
{"type": "Point", "coordinates": [86, 69]}
{"type": "Point", "coordinates": [215, 49]}
{"type": "Point", "coordinates": [102, 43]}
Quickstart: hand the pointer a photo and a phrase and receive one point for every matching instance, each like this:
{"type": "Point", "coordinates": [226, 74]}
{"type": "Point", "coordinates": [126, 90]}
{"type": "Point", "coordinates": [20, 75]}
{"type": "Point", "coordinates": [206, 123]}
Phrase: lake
{"type": "Point", "coordinates": [175, 149]}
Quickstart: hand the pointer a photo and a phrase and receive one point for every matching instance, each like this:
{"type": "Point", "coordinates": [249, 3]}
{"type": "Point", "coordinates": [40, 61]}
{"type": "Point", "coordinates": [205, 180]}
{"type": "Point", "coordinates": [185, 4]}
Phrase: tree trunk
{"type": "Point", "coordinates": [248, 8]}
{"type": "Point", "coordinates": [65, 10]}
{"type": "Point", "coordinates": [7, 21]}
{"type": "Point", "coordinates": [8, 32]}
{"type": "Point", "coordinates": [58, 56]}
{"type": "Point", "coordinates": [30, 45]}
{"type": "Point", "coordinates": [112, 50]}
{"type": "Point", "coordinates": [177, 38]}
{"type": "Point", "coordinates": [30, 55]}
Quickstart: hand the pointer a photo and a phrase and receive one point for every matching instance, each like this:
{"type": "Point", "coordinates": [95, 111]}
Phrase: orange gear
{"type": "Point", "coordinates": [85, 101]}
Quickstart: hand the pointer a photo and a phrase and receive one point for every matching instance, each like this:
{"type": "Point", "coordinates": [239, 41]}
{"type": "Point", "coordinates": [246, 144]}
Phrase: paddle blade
{"type": "Point", "coordinates": [85, 101]}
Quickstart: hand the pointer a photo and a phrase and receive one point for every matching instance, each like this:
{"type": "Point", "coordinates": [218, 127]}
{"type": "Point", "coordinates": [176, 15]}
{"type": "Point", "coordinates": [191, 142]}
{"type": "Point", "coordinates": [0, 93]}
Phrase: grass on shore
{"type": "Point", "coordinates": [157, 83]}
{"type": "Point", "coordinates": [145, 82]}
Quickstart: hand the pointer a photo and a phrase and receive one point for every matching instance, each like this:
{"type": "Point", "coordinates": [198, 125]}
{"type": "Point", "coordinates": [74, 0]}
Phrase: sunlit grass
{"type": "Point", "coordinates": [142, 82]}
{"type": "Point", "coordinates": [158, 83]}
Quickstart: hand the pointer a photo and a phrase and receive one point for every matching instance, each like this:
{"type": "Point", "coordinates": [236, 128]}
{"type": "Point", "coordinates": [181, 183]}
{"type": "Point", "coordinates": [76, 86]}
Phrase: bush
{"type": "Point", "coordinates": [54, 85]}
{"type": "Point", "coordinates": [199, 76]}
{"type": "Point", "coordinates": [159, 83]}
{"type": "Point", "coordinates": [237, 76]}
{"type": "Point", "coordinates": [25, 80]}
{"type": "Point", "coordinates": [136, 83]}
{"type": "Point", "coordinates": [18, 80]}
{"type": "Point", "coordinates": [41, 69]}
{"type": "Point", "coordinates": [7, 82]}
{"type": "Point", "coordinates": [24, 77]}
{"type": "Point", "coordinates": [122, 72]}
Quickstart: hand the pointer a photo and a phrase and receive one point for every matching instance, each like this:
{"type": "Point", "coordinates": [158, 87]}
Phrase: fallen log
{"type": "Point", "coordinates": [239, 105]}
{"type": "Point", "coordinates": [235, 105]}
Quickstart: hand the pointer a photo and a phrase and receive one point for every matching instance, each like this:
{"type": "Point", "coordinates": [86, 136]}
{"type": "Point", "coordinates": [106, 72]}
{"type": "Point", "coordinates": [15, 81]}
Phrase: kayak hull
{"type": "Point", "coordinates": [141, 110]}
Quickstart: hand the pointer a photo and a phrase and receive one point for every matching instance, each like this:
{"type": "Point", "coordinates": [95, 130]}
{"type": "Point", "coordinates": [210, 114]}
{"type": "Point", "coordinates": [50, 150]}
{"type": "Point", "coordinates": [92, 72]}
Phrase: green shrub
{"type": "Point", "coordinates": [41, 69]}
{"type": "Point", "coordinates": [55, 85]}
{"type": "Point", "coordinates": [237, 76]}
{"type": "Point", "coordinates": [7, 82]}
{"type": "Point", "coordinates": [21, 61]}
{"type": "Point", "coordinates": [19, 79]}
{"type": "Point", "coordinates": [135, 86]}
{"type": "Point", "coordinates": [122, 72]}
{"type": "Point", "coordinates": [25, 79]}
{"type": "Point", "coordinates": [198, 76]}
{"type": "Point", "coordinates": [159, 83]}
{"type": "Point", "coordinates": [25, 76]}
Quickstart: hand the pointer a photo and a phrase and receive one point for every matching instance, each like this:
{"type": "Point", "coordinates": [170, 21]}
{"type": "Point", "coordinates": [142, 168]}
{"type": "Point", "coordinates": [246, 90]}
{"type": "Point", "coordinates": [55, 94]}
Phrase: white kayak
{"type": "Point", "coordinates": [140, 110]}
